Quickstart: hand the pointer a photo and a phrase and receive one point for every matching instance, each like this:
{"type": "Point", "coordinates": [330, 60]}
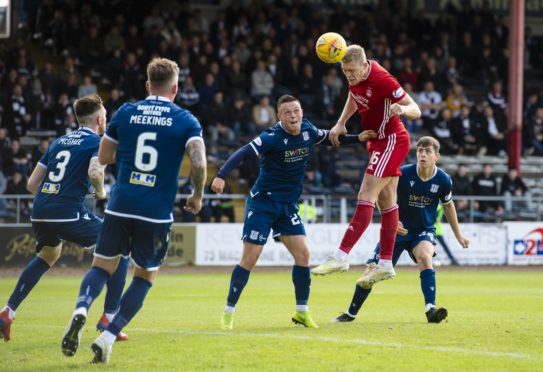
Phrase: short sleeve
{"type": "Point", "coordinates": [44, 160]}
{"type": "Point", "coordinates": [112, 129]}
{"type": "Point", "coordinates": [392, 89]}
{"type": "Point", "coordinates": [96, 146]}
{"type": "Point", "coordinates": [263, 143]}
{"type": "Point", "coordinates": [194, 129]}
{"type": "Point", "coordinates": [446, 195]}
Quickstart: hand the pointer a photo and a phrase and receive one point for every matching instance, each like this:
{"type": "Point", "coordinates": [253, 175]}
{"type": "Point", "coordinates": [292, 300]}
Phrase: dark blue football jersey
{"type": "Point", "coordinates": [151, 136]}
{"type": "Point", "coordinates": [283, 160]}
{"type": "Point", "coordinates": [60, 196]}
{"type": "Point", "coordinates": [418, 200]}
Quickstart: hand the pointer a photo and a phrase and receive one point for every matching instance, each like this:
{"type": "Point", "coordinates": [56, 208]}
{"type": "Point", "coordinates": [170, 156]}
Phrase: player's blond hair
{"type": "Point", "coordinates": [428, 141]}
{"type": "Point", "coordinates": [85, 108]}
{"type": "Point", "coordinates": [354, 53]}
{"type": "Point", "coordinates": [162, 73]}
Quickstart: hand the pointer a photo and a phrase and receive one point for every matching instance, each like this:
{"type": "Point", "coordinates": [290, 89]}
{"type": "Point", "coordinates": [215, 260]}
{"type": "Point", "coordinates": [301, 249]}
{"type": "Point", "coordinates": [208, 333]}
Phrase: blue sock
{"type": "Point", "coordinates": [360, 295]}
{"type": "Point", "coordinates": [240, 277]}
{"type": "Point", "coordinates": [131, 303]}
{"type": "Point", "coordinates": [428, 286]}
{"type": "Point", "coordinates": [115, 286]}
{"type": "Point", "coordinates": [91, 286]}
{"type": "Point", "coordinates": [30, 276]}
{"type": "Point", "coordinates": [301, 278]}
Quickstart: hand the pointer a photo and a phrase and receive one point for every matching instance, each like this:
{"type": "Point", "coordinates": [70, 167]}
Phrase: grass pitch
{"type": "Point", "coordinates": [495, 323]}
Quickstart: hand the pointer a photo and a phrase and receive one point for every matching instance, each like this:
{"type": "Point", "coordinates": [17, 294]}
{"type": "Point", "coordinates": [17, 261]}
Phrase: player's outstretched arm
{"type": "Point", "coordinates": [324, 138]}
{"type": "Point", "coordinates": [338, 129]}
{"type": "Point", "coordinates": [96, 176]}
{"type": "Point", "coordinates": [107, 150]}
{"type": "Point", "coordinates": [407, 107]}
{"type": "Point", "coordinates": [234, 161]}
{"type": "Point", "coordinates": [36, 178]}
{"type": "Point", "coordinates": [196, 151]}
{"type": "Point", "coordinates": [450, 213]}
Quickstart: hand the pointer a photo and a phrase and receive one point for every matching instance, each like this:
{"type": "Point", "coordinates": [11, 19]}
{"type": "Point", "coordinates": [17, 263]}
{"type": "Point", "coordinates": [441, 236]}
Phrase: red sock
{"type": "Point", "coordinates": [359, 223]}
{"type": "Point", "coordinates": [389, 226]}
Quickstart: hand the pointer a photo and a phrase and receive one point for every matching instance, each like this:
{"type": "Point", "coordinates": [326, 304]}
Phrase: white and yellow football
{"type": "Point", "coordinates": [331, 47]}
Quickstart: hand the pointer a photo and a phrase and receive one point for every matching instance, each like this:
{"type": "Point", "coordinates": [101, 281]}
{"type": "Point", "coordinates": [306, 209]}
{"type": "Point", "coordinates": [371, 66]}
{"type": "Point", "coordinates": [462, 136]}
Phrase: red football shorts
{"type": "Point", "coordinates": [388, 154]}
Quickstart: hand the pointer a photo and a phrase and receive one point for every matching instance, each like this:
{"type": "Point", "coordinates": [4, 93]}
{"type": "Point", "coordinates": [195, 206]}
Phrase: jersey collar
{"type": "Point", "coordinates": [157, 98]}
{"type": "Point", "coordinates": [433, 175]}
{"type": "Point", "coordinates": [86, 129]}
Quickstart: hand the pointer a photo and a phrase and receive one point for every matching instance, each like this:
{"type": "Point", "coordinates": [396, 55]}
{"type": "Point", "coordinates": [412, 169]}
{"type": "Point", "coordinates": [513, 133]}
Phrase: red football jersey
{"type": "Point", "coordinates": [373, 98]}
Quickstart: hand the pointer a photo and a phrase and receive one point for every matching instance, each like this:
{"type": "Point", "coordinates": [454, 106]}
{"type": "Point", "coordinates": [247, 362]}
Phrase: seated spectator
{"type": "Point", "coordinates": [188, 97]}
{"type": "Point", "coordinates": [513, 185]}
{"type": "Point", "coordinates": [308, 88]}
{"type": "Point", "coordinates": [533, 134]}
{"type": "Point", "coordinates": [497, 100]}
{"type": "Point", "coordinates": [442, 131]}
{"type": "Point", "coordinates": [456, 99]}
{"type": "Point", "coordinates": [263, 114]}
{"type": "Point", "coordinates": [261, 81]}
{"type": "Point", "coordinates": [216, 119]}
{"type": "Point", "coordinates": [86, 88]}
{"type": "Point", "coordinates": [17, 186]}
{"type": "Point", "coordinates": [113, 102]}
{"type": "Point", "coordinates": [430, 102]}
{"type": "Point", "coordinates": [38, 151]}
{"type": "Point", "coordinates": [131, 78]}
{"type": "Point", "coordinates": [461, 186]}
{"type": "Point", "coordinates": [329, 98]}
{"type": "Point", "coordinates": [239, 118]}
{"type": "Point", "coordinates": [485, 184]}
{"type": "Point", "coordinates": [3, 203]}
{"type": "Point", "coordinates": [467, 133]}
{"type": "Point", "coordinates": [21, 117]}
{"type": "Point", "coordinates": [207, 90]}
{"type": "Point", "coordinates": [451, 73]}
{"type": "Point", "coordinates": [20, 158]}
{"type": "Point", "coordinates": [63, 107]}
{"type": "Point", "coordinates": [413, 126]}
{"type": "Point", "coordinates": [496, 128]}
{"type": "Point", "coordinates": [238, 82]}
{"type": "Point", "coordinates": [408, 74]}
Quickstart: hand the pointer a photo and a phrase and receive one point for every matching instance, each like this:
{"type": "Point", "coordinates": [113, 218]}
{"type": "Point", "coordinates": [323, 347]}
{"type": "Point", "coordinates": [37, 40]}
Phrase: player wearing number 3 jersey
{"type": "Point", "coordinates": [379, 100]}
{"type": "Point", "coordinates": [146, 140]}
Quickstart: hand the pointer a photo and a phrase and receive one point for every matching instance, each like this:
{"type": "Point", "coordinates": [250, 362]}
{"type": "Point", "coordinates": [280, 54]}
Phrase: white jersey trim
{"type": "Point", "coordinates": [142, 218]}
{"type": "Point", "coordinates": [59, 220]}
{"type": "Point", "coordinates": [386, 116]}
{"type": "Point", "coordinates": [386, 156]}
{"type": "Point", "coordinates": [111, 139]}
{"type": "Point", "coordinates": [109, 257]}
{"type": "Point", "coordinates": [194, 138]}
{"type": "Point", "coordinates": [254, 148]}
{"type": "Point", "coordinates": [42, 165]}
{"type": "Point", "coordinates": [154, 268]}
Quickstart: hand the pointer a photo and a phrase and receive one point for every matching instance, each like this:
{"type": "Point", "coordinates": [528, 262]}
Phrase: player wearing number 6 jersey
{"type": "Point", "coordinates": [284, 151]}
{"type": "Point", "coordinates": [60, 182]}
{"type": "Point", "coordinates": [380, 101]}
{"type": "Point", "coordinates": [146, 140]}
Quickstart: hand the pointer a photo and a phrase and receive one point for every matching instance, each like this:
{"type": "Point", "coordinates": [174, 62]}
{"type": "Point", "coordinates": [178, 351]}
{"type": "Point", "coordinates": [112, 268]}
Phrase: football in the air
{"type": "Point", "coordinates": [331, 47]}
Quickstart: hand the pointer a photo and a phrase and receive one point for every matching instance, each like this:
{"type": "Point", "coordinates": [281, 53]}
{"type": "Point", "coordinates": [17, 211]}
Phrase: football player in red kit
{"type": "Point", "coordinates": [380, 100]}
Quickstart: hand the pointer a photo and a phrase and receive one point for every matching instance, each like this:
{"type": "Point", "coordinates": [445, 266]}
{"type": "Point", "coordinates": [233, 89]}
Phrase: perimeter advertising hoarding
{"type": "Point", "coordinates": [525, 243]}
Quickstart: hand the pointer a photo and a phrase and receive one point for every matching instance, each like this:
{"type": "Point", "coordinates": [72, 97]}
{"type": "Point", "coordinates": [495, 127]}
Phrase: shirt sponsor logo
{"type": "Point", "coordinates": [397, 93]}
{"type": "Point", "coordinates": [360, 99]}
{"type": "Point", "coordinates": [292, 156]}
{"type": "Point", "coordinates": [419, 201]}
{"type": "Point", "coordinates": [143, 179]}
{"type": "Point", "coordinates": [50, 188]}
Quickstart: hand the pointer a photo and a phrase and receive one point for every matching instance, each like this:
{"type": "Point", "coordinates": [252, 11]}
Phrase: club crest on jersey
{"type": "Point", "coordinates": [143, 179]}
{"type": "Point", "coordinates": [50, 188]}
{"type": "Point", "coordinates": [306, 136]}
{"type": "Point", "coordinates": [368, 92]}
{"type": "Point", "coordinates": [411, 183]}
{"type": "Point", "coordinates": [397, 93]}
{"type": "Point", "coordinates": [285, 140]}
{"type": "Point", "coordinates": [434, 188]}
{"type": "Point", "coordinates": [258, 141]}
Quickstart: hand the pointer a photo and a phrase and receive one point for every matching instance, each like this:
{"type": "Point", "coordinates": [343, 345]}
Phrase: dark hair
{"type": "Point", "coordinates": [427, 141]}
{"type": "Point", "coordinates": [86, 106]}
{"type": "Point", "coordinates": [285, 99]}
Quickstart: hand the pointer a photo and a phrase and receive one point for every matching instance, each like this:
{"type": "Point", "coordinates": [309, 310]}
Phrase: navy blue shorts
{"type": "Point", "coordinates": [408, 243]}
{"type": "Point", "coordinates": [83, 231]}
{"type": "Point", "coordinates": [146, 242]}
{"type": "Point", "coordinates": [263, 214]}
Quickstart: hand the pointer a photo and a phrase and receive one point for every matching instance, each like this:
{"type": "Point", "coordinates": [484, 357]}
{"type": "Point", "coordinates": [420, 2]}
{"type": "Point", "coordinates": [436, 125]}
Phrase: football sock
{"type": "Point", "coordinates": [389, 227]}
{"type": "Point", "coordinates": [428, 286]}
{"type": "Point", "coordinates": [385, 263]}
{"type": "Point", "coordinates": [359, 223]}
{"type": "Point", "coordinates": [91, 286]}
{"type": "Point", "coordinates": [239, 279]}
{"type": "Point", "coordinates": [131, 303]}
{"type": "Point", "coordinates": [29, 278]}
{"type": "Point", "coordinates": [115, 286]}
{"type": "Point", "coordinates": [340, 255]}
{"type": "Point", "coordinates": [360, 295]}
{"type": "Point", "coordinates": [301, 278]}
{"type": "Point", "coordinates": [11, 312]}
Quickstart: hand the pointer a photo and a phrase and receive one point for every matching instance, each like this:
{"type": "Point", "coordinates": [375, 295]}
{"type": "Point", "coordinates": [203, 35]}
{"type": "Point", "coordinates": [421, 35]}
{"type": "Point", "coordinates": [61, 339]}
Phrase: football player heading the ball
{"type": "Point", "coordinates": [380, 100]}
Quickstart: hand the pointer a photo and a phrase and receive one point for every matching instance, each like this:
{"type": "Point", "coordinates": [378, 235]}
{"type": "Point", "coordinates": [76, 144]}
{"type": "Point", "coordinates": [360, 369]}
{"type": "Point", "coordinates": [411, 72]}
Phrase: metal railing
{"type": "Point", "coordinates": [15, 209]}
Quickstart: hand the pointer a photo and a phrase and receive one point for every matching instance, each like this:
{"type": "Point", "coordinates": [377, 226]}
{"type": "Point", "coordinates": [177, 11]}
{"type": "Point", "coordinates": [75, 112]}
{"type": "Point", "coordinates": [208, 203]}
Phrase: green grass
{"type": "Point", "coordinates": [495, 323]}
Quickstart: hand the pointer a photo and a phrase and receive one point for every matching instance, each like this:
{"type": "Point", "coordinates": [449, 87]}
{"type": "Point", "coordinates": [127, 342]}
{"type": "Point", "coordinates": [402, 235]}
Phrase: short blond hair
{"type": "Point", "coordinates": [162, 72]}
{"type": "Point", "coordinates": [85, 108]}
{"type": "Point", "coordinates": [354, 53]}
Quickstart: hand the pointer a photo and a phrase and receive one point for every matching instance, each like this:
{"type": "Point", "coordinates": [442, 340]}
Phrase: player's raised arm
{"type": "Point", "coordinates": [452, 218]}
{"type": "Point", "coordinates": [407, 107]}
{"type": "Point", "coordinates": [36, 178]}
{"type": "Point", "coordinates": [96, 177]}
{"type": "Point", "coordinates": [235, 160]}
{"type": "Point", "coordinates": [198, 172]}
{"type": "Point", "coordinates": [340, 127]}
